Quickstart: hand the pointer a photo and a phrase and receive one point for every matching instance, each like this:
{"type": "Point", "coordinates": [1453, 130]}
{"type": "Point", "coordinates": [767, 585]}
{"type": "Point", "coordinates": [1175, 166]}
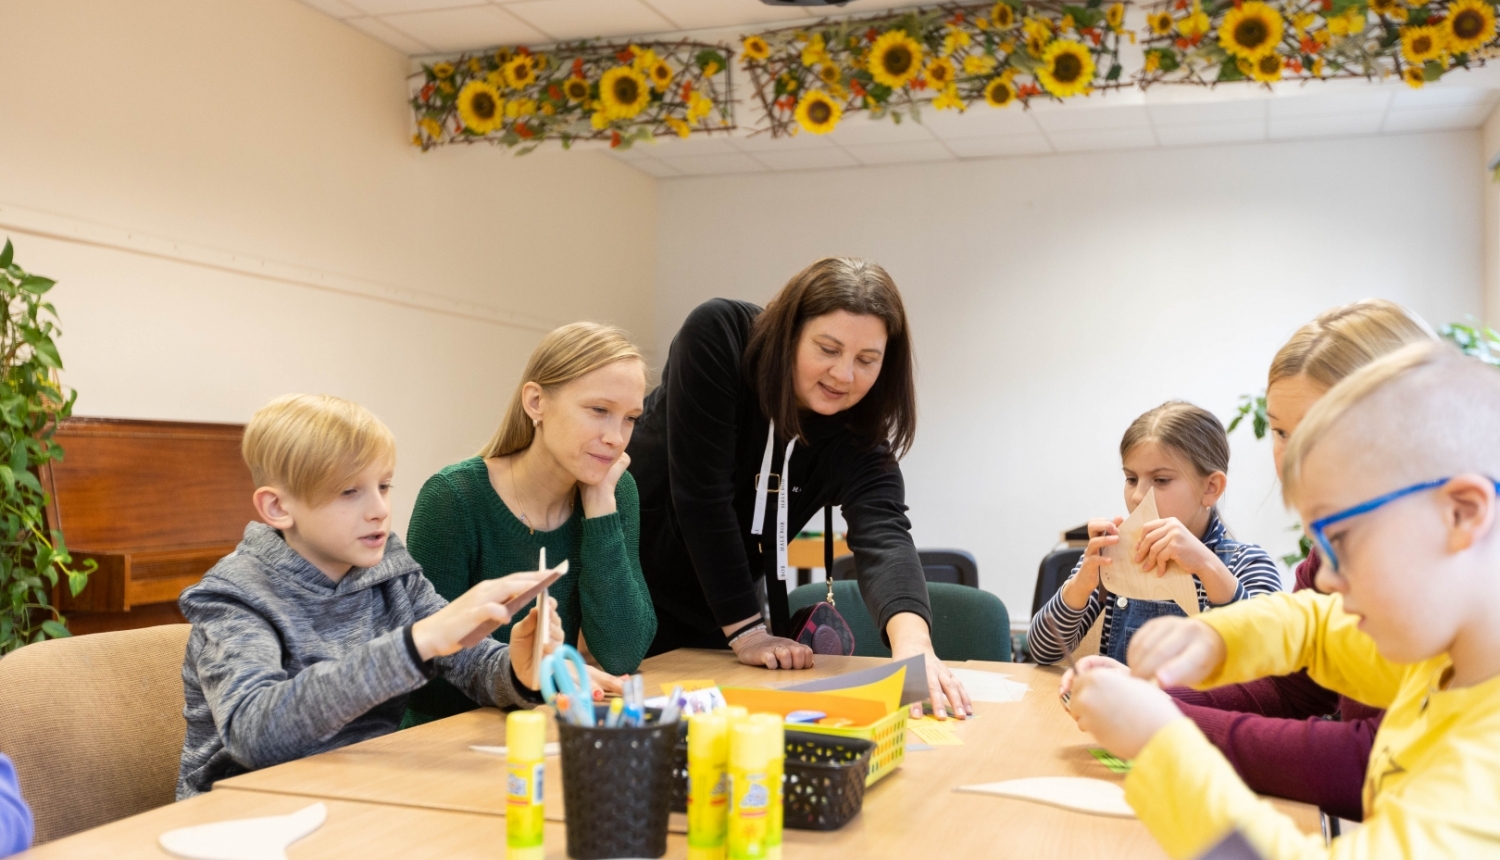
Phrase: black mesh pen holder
{"type": "Point", "coordinates": [823, 782]}
{"type": "Point", "coordinates": [617, 788]}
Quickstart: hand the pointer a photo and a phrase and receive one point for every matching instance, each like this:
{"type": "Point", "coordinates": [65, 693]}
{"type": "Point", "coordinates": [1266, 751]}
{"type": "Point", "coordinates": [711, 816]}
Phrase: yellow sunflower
{"type": "Point", "coordinates": [443, 71]}
{"type": "Point", "coordinates": [940, 72]}
{"type": "Point", "coordinates": [475, 66]}
{"type": "Point", "coordinates": [755, 48]}
{"type": "Point", "coordinates": [1161, 22]}
{"type": "Point", "coordinates": [433, 128]}
{"type": "Point", "coordinates": [999, 93]}
{"type": "Point", "coordinates": [1352, 21]}
{"type": "Point", "coordinates": [955, 40]}
{"type": "Point", "coordinates": [1414, 76]}
{"type": "Point", "coordinates": [1470, 24]}
{"type": "Point", "coordinates": [1267, 68]}
{"type": "Point", "coordinates": [480, 107]}
{"type": "Point", "coordinates": [895, 59]}
{"type": "Point", "coordinates": [815, 52]}
{"type": "Point", "coordinates": [818, 113]}
{"type": "Point", "coordinates": [1067, 68]}
{"type": "Point", "coordinates": [1250, 31]}
{"type": "Point", "coordinates": [978, 64]}
{"type": "Point", "coordinates": [623, 92]}
{"type": "Point", "coordinates": [1391, 9]}
{"type": "Point", "coordinates": [520, 72]}
{"type": "Point", "coordinates": [829, 73]}
{"type": "Point", "coordinates": [1114, 16]}
{"type": "Point", "coordinates": [1195, 23]}
{"type": "Point", "coordinates": [681, 128]}
{"type": "Point", "coordinates": [576, 89]}
{"type": "Point", "coordinates": [1004, 16]}
{"type": "Point", "coordinates": [948, 99]}
{"type": "Point", "coordinates": [699, 106]}
{"type": "Point", "coordinates": [660, 74]}
{"type": "Point", "coordinates": [1420, 44]}
{"type": "Point", "coordinates": [643, 59]}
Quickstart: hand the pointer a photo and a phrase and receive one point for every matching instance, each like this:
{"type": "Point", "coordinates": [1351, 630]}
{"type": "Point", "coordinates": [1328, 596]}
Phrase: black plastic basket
{"type": "Point", "coordinates": [617, 786]}
{"type": "Point", "coordinates": [823, 782]}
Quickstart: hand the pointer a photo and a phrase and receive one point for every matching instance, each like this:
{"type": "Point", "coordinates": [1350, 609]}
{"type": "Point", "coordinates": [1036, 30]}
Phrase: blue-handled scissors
{"type": "Point", "coordinates": [556, 679]}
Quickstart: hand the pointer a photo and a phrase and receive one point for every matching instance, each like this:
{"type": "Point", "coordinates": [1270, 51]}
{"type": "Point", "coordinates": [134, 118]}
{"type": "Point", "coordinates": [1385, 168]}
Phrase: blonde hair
{"type": "Point", "coordinates": [1425, 411]}
{"type": "Point", "coordinates": [1343, 339]}
{"type": "Point", "coordinates": [1191, 431]}
{"type": "Point", "coordinates": [566, 354]}
{"type": "Point", "coordinates": [310, 444]}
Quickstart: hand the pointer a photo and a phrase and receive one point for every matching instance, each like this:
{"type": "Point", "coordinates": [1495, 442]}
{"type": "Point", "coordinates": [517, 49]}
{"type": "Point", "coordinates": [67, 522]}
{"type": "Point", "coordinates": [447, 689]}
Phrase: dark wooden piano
{"type": "Point", "coordinates": [155, 503]}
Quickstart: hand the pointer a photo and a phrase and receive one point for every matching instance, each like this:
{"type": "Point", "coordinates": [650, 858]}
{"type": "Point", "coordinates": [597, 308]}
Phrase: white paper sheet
{"type": "Point", "coordinates": [989, 686]}
{"type": "Point", "coordinates": [1092, 796]}
{"type": "Point", "coordinates": [547, 749]}
{"type": "Point", "coordinates": [1125, 578]}
{"type": "Point", "coordinates": [245, 838]}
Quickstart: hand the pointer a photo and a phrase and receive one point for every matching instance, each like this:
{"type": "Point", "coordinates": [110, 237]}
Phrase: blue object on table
{"type": "Point", "coordinates": [805, 716]}
{"type": "Point", "coordinates": [556, 679]}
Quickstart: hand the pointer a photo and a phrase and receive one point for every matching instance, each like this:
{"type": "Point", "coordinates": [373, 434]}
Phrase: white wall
{"type": "Point", "coordinates": [1054, 299]}
{"type": "Point", "coordinates": [271, 138]}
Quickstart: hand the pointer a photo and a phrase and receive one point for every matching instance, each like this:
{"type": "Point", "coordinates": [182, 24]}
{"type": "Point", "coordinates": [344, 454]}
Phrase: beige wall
{"type": "Point", "coordinates": [1489, 149]}
{"type": "Point", "coordinates": [226, 193]}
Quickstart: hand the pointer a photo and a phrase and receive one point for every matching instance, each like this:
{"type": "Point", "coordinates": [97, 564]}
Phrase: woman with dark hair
{"type": "Point", "coordinates": [816, 392]}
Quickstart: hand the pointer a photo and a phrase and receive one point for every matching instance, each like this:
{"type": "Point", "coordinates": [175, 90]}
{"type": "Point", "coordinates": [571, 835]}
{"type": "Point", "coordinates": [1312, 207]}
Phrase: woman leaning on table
{"type": "Point", "coordinates": [824, 374]}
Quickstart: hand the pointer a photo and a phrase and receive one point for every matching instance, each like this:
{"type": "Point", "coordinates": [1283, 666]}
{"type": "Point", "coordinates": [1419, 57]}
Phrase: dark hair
{"type": "Point", "coordinates": [888, 413]}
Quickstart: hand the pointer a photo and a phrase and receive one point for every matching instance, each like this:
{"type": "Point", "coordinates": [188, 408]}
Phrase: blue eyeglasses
{"type": "Point", "coordinates": [1318, 526]}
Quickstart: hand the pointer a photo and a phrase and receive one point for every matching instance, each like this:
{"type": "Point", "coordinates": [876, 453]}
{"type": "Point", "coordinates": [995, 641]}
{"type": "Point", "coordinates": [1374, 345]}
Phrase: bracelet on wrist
{"type": "Point", "coordinates": [749, 627]}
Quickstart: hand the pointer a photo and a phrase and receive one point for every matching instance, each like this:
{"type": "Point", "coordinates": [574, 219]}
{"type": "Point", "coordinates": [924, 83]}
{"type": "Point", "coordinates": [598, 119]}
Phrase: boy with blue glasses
{"type": "Point", "coordinates": [1392, 471]}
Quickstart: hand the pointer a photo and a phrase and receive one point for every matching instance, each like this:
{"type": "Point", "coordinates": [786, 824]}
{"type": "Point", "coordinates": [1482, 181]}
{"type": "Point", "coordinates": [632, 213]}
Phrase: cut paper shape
{"type": "Point", "coordinates": [989, 686]}
{"type": "Point", "coordinates": [245, 838]}
{"type": "Point", "coordinates": [1115, 764]}
{"type": "Point", "coordinates": [552, 748]}
{"type": "Point", "coordinates": [1091, 796]}
{"type": "Point", "coordinates": [938, 733]}
{"type": "Point", "coordinates": [1124, 576]}
{"type": "Point", "coordinates": [865, 684]}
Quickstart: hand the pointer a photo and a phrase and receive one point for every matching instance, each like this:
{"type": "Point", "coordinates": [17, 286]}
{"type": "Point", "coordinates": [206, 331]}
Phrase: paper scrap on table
{"type": "Point", "coordinates": [698, 701]}
{"type": "Point", "coordinates": [687, 686]}
{"type": "Point", "coordinates": [938, 733]}
{"type": "Point", "coordinates": [244, 838]}
{"type": "Point", "coordinates": [1092, 796]}
{"type": "Point", "coordinates": [1118, 765]}
{"type": "Point", "coordinates": [915, 747]}
{"type": "Point", "coordinates": [989, 686]}
{"type": "Point", "coordinates": [552, 748]}
{"type": "Point", "coordinates": [1124, 577]}
{"type": "Point", "coordinates": [913, 686]}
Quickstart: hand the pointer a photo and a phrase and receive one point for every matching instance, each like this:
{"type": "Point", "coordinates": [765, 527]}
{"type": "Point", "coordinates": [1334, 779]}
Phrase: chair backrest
{"type": "Point", "coordinates": [94, 725]}
{"type": "Point", "coordinates": [938, 565]}
{"type": "Point", "coordinates": [1053, 572]}
{"type": "Point", "coordinates": [967, 623]}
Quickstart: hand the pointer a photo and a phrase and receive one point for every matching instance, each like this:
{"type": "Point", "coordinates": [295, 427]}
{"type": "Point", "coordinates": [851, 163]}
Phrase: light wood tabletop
{"type": "Point", "coordinates": [912, 812]}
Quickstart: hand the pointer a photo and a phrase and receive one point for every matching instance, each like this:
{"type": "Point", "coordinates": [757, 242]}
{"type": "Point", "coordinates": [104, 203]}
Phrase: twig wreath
{"type": "Point", "coordinates": [951, 57]}
{"type": "Point", "coordinates": [623, 93]}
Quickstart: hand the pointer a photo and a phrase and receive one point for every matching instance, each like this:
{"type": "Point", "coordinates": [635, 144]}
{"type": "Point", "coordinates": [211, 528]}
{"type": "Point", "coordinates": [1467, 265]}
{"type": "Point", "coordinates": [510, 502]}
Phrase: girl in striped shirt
{"type": "Point", "coordinates": [1182, 452]}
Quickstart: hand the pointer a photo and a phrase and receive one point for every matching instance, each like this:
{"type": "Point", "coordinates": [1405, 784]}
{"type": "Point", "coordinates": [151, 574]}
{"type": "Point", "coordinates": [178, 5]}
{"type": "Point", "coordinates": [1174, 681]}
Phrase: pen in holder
{"type": "Point", "coordinates": [617, 787]}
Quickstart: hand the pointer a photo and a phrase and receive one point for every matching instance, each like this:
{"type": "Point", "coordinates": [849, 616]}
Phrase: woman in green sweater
{"type": "Point", "coordinates": [560, 448]}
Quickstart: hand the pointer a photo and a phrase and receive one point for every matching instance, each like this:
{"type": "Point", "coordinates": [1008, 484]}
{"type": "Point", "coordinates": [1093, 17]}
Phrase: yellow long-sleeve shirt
{"type": "Point", "coordinates": [1432, 788]}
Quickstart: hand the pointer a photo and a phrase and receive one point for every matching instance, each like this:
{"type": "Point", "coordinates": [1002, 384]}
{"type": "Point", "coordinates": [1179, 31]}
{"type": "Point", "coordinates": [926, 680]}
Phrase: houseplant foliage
{"type": "Point", "coordinates": [623, 93]}
{"type": "Point", "coordinates": [950, 57]}
{"type": "Point", "coordinates": [33, 559]}
{"type": "Point", "coordinates": [1212, 41]}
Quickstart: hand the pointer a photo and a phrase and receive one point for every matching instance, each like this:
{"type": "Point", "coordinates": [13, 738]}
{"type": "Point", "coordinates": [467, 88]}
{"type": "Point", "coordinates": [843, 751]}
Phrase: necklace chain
{"type": "Point", "coordinates": [510, 468]}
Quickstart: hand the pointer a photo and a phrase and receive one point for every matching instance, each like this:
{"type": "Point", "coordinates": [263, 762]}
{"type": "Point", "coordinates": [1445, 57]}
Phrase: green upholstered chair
{"type": "Point", "coordinates": [968, 623]}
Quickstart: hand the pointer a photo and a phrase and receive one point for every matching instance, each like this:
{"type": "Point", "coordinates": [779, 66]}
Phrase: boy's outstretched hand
{"type": "Point", "coordinates": [1122, 712]}
{"type": "Point", "coordinates": [1175, 651]}
{"type": "Point", "coordinates": [523, 643]}
{"type": "Point", "coordinates": [476, 614]}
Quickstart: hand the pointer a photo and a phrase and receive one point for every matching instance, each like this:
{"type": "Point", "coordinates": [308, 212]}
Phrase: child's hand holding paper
{"type": "Point", "coordinates": [1122, 712]}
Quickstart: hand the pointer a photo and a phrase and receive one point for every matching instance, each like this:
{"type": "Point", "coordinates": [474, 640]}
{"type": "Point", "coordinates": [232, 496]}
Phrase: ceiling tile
{"type": "Point", "coordinates": [1010, 144]}
{"type": "Point", "coordinates": [703, 165]}
{"type": "Point", "coordinates": [1317, 105]}
{"type": "Point", "coordinates": [1085, 117]}
{"type": "Point", "coordinates": [389, 35]}
{"type": "Point", "coordinates": [895, 153]}
{"type": "Point", "coordinates": [586, 19]}
{"type": "Point", "coordinates": [392, 7]}
{"type": "Point", "coordinates": [1198, 113]}
{"type": "Point", "coordinates": [698, 144]}
{"type": "Point", "coordinates": [764, 142]}
{"type": "Point", "coordinates": [1218, 132]}
{"type": "Point", "coordinates": [465, 29]}
{"type": "Point", "coordinates": [704, 14]}
{"type": "Point", "coordinates": [1441, 96]}
{"type": "Point", "coordinates": [336, 8]}
{"type": "Point", "coordinates": [654, 167]}
{"type": "Point", "coordinates": [806, 159]}
{"type": "Point", "coordinates": [980, 120]}
{"type": "Point", "coordinates": [858, 128]}
{"type": "Point", "coordinates": [1332, 125]}
{"type": "Point", "coordinates": [1103, 138]}
{"type": "Point", "coordinates": [1462, 116]}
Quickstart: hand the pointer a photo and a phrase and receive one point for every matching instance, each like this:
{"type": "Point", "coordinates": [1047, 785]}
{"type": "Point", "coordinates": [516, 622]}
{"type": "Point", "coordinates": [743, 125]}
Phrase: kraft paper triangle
{"type": "Point", "coordinates": [1092, 796]}
{"type": "Point", "coordinates": [245, 838]}
{"type": "Point", "coordinates": [1125, 578]}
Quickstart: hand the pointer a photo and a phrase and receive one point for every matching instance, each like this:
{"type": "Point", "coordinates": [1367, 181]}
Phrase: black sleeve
{"type": "Point", "coordinates": [702, 394]}
{"type": "Point", "coordinates": [890, 574]}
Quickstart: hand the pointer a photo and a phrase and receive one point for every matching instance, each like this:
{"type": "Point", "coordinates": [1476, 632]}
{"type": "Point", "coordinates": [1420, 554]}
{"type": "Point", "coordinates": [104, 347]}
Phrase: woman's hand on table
{"type": "Point", "coordinates": [605, 683]}
{"type": "Point", "coordinates": [759, 648]}
{"type": "Point", "coordinates": [909, 637]}
{"type": "Point", "coordinates": [1121, 712]}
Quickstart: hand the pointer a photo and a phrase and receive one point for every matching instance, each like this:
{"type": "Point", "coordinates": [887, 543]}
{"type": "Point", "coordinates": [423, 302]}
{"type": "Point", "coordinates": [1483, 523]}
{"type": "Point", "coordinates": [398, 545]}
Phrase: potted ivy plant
{"type": "Point", "coordinates": [33, 558]}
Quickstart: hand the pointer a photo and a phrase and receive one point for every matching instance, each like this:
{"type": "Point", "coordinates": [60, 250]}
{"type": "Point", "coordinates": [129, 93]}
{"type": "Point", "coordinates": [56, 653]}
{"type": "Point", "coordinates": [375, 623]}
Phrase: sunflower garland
{"type": "Point", "coordinates": [622, 93]}
{"type": "Point", "coordinates": [1208, 42]}
{"type": "Point", "coordinates": [951, 57]}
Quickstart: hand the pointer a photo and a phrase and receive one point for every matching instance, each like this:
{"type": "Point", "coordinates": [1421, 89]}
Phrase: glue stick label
{"type": "Point", "coordinates": [750, 800]}
{"type": "Point", "coordinates": [523, 802]}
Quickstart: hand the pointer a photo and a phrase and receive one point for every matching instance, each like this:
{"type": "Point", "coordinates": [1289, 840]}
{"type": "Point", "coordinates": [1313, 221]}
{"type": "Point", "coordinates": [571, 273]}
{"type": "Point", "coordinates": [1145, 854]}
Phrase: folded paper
{"type": "Point", "coordinates": [1124, 577]}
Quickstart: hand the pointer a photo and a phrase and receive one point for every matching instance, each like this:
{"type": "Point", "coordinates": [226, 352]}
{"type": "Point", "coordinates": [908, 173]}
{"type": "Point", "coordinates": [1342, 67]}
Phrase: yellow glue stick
{"type": "Point", "coordinates": [735, 713]}
{"type": "Point", "coordinates": [776, 761]}
{"type": "Point", "coordinates": [749, 790]}
{"type": "Point", "coordinates": [708, 786]}
{"type": "Point", "coordinates": [525, 734]}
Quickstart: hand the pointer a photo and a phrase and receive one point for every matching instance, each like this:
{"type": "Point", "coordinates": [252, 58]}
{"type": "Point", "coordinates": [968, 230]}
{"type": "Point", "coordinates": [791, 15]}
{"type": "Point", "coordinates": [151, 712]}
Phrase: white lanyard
{"type": "Point", "coordinates": [783, 488]}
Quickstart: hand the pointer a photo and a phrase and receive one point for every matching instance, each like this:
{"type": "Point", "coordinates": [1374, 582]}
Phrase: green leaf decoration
{"type": "Point", "coordinates": [7, 255]}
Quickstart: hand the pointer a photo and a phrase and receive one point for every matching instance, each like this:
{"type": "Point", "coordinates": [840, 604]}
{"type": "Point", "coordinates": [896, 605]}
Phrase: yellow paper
{"type": "Point", "coordinates": [886, 691]}
{"type": "Point", "coordinates": [938, 733]}
{"type": "Point", "coordinates": [687, 686]}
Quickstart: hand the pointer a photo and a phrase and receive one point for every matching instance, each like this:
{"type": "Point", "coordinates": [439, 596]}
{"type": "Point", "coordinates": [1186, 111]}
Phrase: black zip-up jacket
{"type": "Point", "coordinates": [694, 455]}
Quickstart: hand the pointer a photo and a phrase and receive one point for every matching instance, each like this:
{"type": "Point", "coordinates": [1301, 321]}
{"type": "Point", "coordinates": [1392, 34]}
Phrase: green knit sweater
{"type": "Point", "coordinates": [461, 533]}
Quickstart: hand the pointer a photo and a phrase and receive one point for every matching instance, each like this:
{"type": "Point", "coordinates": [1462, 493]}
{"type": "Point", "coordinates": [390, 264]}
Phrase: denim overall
{"type": "Point", "coordinates": [1128, 617]}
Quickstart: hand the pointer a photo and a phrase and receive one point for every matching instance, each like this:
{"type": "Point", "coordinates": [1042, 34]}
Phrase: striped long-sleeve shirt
{"type": "Point", "coordinates": [1057, 627]}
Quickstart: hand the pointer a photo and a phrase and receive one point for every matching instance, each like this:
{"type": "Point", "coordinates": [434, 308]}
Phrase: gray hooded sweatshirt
{"type": "Point", "coordinates": [284, 663]}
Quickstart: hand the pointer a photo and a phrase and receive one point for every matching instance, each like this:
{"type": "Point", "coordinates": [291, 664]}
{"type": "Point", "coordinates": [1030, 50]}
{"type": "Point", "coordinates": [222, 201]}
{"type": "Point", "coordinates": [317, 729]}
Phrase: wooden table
{"type": "Point", "coordinates": [913, 812]}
